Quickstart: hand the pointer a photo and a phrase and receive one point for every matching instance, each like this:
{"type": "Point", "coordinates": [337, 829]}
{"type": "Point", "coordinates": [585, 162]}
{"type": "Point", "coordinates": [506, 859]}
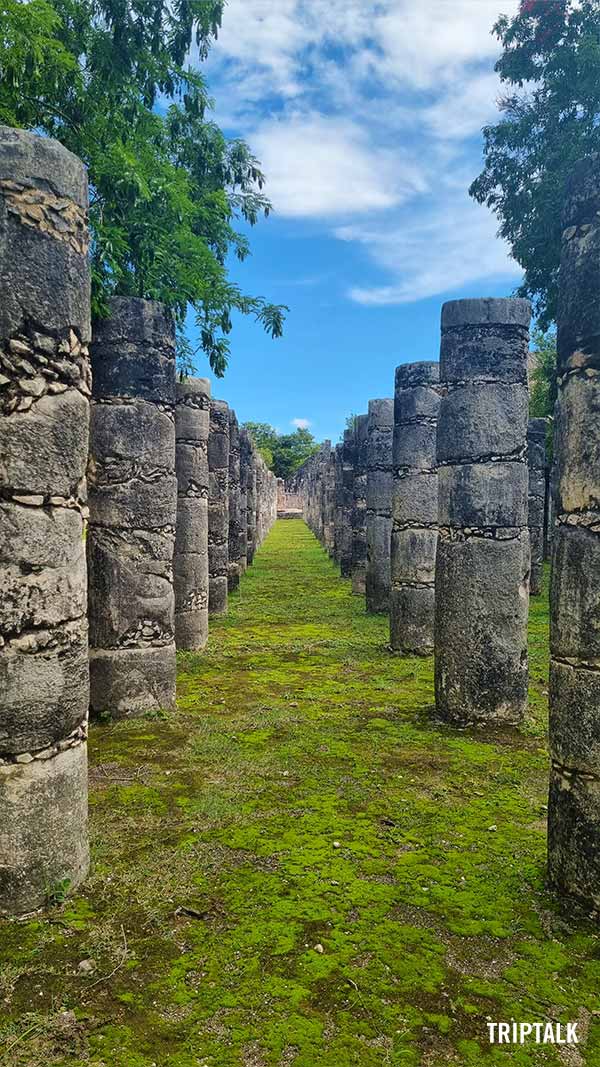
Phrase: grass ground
{"type": "Point", "coordinates": [300, 868]}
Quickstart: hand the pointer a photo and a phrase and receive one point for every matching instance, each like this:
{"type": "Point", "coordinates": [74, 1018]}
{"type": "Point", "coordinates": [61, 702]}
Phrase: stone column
{"type": "Point", "coordinates": [218, 507]}
{"type": "Point", "coordinates": [380, 430]}
{"type": "Point", "coordinates": [251, 504]}
{"type": "Point", "coordinates": [245, 475]}
{"type": "Point", "coordinates": [190, 565]}
{"type": "Point", "coordinates": [348, 462]}
{"type": "Point", "coordinates": [536, 458]}
{"type": "Point", "coordinates": [483, 550]}
{"type": "Point", "coordinates": [329, 468]}
{"type": "Point", "coordinates": [549, 509]}
{"type": "Point", "coordinates": [44, 430]}
{"type": "Point", "coordinates": [133, 510]}
{"type": "Point", "coordinates": [338, 521]}
{"type": "Point", "coordinates": [359, 509]}
{"type": "Point", "coordinates": [236, 540]}
{"type": "Point", "coordinates": [574, 804]}
{"type": "Point", "coordinates": [260, 490]}
{"type": "Point", "coordinates": [414, 508]}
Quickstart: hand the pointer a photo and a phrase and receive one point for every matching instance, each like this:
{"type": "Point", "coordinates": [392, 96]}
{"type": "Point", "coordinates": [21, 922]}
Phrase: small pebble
{"type": "Point", "coordinates": [336, 844]}
{"type": "Point", "coordinates": [319, 948]}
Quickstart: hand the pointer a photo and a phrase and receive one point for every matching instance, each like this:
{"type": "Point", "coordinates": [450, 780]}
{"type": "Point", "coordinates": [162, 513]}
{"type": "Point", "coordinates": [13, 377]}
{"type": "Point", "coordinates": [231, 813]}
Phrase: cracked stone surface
{"type": "Point", "coordinates": [380, 430]}
{"type": "Point", "coordinates": [574, 804]}
{"type": "Point", "coordinates": [218, 507]}
{"type": "Point", "coordinates": [414, 508]}
{"type": "Point", "coordinates": [190, 562]}
{"type": "Point", "coordinates": [133, 511]}
{"type": "Point", "coordinates": [348, 464]}
{"type": "Point", "coordinates": [482, 564]}
{"type": "Point", "coordinates": [237, 515]}
{"type": "Point", "coordinates": [249, 453]}
{"type": "Point", "coordinates": [358, 570]}
{"type": "Point", "coordinates": [536, 459]}
{"type": "Point", "coordinates": [44, 430]}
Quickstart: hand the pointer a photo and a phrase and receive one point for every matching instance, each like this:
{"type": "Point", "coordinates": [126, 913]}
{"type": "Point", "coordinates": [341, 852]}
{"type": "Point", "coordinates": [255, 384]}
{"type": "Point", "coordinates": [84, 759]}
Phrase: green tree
{"type": "Point", "coordinates": [265, 439]}
{"type": "Point", "coordinates": [108, 78]}
{"type": "Point", "coordinates": [542, 378]}
{"type": "Point", "coordinates": [550, 65]}
{"type": "Point", "coordinates": [33, 62]}
{"type": "Point", "coordinates": [283, 453]}
{"type": "Point", "coordinates": [542, 381]}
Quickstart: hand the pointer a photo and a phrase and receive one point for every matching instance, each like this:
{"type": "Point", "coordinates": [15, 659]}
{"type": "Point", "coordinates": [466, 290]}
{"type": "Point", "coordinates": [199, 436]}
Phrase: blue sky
{"type": "Point", "coordinates": [366, 116]}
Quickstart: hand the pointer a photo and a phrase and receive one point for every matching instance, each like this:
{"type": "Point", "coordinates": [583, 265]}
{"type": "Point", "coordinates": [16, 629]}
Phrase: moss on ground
{"type": "Point", "coordinates": [300, 867]}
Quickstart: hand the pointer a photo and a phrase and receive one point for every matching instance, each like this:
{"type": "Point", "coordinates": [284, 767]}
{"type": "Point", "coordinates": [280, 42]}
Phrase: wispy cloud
{"type": "Point", "coordinates": [301, 424]}
{"type": "Point", "coordinates": [323, 166]}
{"type": "Point", "coordinates": [448, 242]}
{"type": "Point", "coordinates": [364, 114]}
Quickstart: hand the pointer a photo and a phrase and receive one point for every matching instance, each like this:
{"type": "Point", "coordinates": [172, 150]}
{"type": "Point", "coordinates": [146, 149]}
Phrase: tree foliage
{"type": "Point", "coordinates": [110, 80]}
{"type": "Point", "coordinates": [542, 378]}
{"type": "Point", "coordinates": [283, 453]}
{"type": "Point", "coordinates": [550, 66]}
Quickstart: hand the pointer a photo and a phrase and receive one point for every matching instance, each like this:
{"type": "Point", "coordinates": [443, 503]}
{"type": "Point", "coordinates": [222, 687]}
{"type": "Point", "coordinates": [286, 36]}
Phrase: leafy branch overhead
{"type": "Point", "coordinates": [168, 191]}
{"type": "Point", "coordinates": [550, 66]}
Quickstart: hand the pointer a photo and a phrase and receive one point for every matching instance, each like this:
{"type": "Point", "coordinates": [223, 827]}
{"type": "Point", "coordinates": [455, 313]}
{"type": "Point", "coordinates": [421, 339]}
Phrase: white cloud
{"type": "Point", "coordinates": [465, 108]}
{"type": "Point", "coordinates": [447, 245]}
{"type": "Point", "coordinates": [363, 114]}
{"type": "Point", "coordinates": [301, 424]}
{"type": "Point", "coordinates": [320, 165]}
{"type": "Point", "coordinates": [428, 44]}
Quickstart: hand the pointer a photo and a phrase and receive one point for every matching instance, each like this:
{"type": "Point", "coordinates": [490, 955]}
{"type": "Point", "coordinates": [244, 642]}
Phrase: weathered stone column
{"type": "Point", "coordinates": [260, 489]}
{"type": "Point", "coordinates": [251, 504]}
{"type": "Point", "coordinates": [380, 431]}
{"type": "Point", "coordinates": [549, 510]}
{"type": "Point", "coordinates": [348, 462]}
{"type": "Point", "coordinates": [359, 510]}
{"type": "Point", "coordinates": [190, 565]}
{"type": "Point", "coordinates": [245, 475]}
{"type": "Point", "coordinates": [133, 510]}
{"type": "Point", "coordinates": [218, 507]}
{"type": "Point", "coordinates": [328, 498]}
{"type": "Point", "coordinates": [574, 805]}
{"type": "Point", "coordinates": [236, 538]}
{"type": "Point", "coordinates": [44, 429]}
{"type": "Point", "coordinates": [536, 459]}
{"type": "Point", "coordinates": [481, 587]}
{"type": "Point", "coordinates": [414, 508]}
{"type": "Point", "coordinates": [338, 515]}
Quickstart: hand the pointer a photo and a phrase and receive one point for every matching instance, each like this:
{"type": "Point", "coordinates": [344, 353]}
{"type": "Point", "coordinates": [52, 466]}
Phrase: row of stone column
{"type": "Point", "coordinates": [130, 504]}
{"type": "Point", "coordinates": [447, 484]}
{"type": "Point", "coordinates": [168, 530]}
{"type": "Point", "coordinates": [467, 504]}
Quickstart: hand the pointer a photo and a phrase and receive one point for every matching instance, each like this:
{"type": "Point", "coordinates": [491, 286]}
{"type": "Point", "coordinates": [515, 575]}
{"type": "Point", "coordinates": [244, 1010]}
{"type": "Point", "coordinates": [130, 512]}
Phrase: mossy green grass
{"type": "Point", "coordinates": [301, 867]}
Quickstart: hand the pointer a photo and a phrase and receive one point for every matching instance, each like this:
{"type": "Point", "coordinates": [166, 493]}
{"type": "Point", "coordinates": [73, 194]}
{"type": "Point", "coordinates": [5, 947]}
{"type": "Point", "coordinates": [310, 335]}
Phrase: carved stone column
{"type": "Point", "coordinates": [44, 430]}
{"type": "Point", "coordinates": [379, 503]}
{"type": "Point", "coordinates": [481, 586]}
{"type": "Point", "coordinates": [359, 511]}
{"type": "Point", "coordinates": [574, 804]}
{"type": "Point", "coordinates": [415, 508]}
{"type": "Point", "coordinates": [536, 458]}
{"type": "Point", "coordinates": [218, 507]}
{"type": "Point", "coordinates": [133, 510]}
{"type": "Point", "coordinates": [192, 419]}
